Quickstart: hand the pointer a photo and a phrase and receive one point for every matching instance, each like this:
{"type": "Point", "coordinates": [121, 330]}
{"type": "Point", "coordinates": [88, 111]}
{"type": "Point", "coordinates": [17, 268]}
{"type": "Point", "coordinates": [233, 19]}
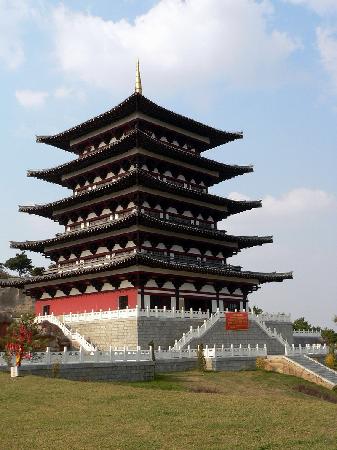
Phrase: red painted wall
{"type": "Point", "coordinates": [86, 302]}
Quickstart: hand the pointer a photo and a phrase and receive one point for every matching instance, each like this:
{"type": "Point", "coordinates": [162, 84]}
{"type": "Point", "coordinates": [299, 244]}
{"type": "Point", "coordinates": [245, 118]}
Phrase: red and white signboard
{"type": "Point", "coordinates": [237, 321]}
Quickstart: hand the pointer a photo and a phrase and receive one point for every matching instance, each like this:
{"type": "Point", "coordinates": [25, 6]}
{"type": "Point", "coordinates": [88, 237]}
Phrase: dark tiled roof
{"type": "Point", "coordinates": [139, 103]}
{"type": "Point", "coordinates": [138, 138]}
{"type": "Point", "coordinates": [143, 219]}
{"type": "Point", "coordinates": [141, 177]}
{"type": "Point", "coordinates": [151, 261]}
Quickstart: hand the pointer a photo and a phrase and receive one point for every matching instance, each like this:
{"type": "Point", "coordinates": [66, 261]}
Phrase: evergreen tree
{"type": "Point", "coordinates": [20, 263]}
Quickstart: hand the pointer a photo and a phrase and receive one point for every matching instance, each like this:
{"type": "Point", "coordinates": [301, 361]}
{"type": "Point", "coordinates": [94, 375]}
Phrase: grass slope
{"type": "Point", "coordinates": [241, 410]}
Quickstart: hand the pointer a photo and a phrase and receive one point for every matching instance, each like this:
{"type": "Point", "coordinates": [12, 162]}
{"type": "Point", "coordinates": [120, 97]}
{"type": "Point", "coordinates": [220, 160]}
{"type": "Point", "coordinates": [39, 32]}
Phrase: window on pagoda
{"type": "Point", "coordinates": [160, 301]}
{"type": "Point", "coordinates": [123, 302]}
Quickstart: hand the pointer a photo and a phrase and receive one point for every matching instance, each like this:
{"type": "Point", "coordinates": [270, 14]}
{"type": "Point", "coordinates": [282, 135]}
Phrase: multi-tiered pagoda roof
{"type": "Point", "coordinates": [140, 219]}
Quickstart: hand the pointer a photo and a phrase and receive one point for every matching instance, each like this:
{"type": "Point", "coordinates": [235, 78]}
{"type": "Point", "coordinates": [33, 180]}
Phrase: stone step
{"type": "Point", "coordinates": [315, 367]}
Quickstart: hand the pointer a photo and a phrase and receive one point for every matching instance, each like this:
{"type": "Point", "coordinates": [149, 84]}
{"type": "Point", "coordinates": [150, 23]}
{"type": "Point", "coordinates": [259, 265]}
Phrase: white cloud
{"type": "Point", "coordinates": [13, 14]}
{"type": "Point", "coordinates": [64, 92]}
{"type": "Point", "coordinates": [294, 202]}
{"type": "Point", "coordinates": [319, 6]}
{"type": "Point", "coordinates": [303, 223]}
{"type": "Point", "coordinates": [178, 42]}
{"type": "Point", "coordinates": [327, 45]}
{"type": "Point", "coordinates": [31, 99]}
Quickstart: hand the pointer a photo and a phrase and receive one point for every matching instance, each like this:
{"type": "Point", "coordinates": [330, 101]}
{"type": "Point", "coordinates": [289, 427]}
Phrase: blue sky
{"type": "Point", "coordinates": [268, 68]}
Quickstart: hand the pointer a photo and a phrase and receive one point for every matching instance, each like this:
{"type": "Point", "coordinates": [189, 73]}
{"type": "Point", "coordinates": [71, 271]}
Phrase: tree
{"type": "Point", "coordinates": [257, 311]}
{"type": "Point", "coordinates": [22, 339]}
{"type": "Point", "coordinates": [20, 263]}
{"type": "Point", "coordinates": [329, 336]}
{"type": "Point", "coordinates": [302, 324]}
{"type": "Point", "coordinates": [36, 271]}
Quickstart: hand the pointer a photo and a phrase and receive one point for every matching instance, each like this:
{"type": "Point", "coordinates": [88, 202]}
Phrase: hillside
{"type": "Point", "coordinates": [14, 301]}
{"type": "Point", "coordinates": [234, 411]}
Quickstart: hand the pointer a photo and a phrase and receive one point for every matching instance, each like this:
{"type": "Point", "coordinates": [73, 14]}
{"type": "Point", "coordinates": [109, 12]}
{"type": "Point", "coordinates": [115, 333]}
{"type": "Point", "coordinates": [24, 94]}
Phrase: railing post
{"type": "Point", "coordinates": [182, 313]}
{"type": "Point", "coordinates": [110, 354]}
{"type": "Point", "coordinates": [191, 313]}
{"type": "Point", "coordinates": [173, 311]}
{"type": "Point", "coordinates": [147, 311]}
{"type": "Point", "coordinates": [81, 354]}
{"type": "Point", "coordinates": [156, 311]}
{"type": "Point", "coordinates": [65, 355]}
{"type": "Point", "coordinates": [232, 349]}
{"type": "Point", "coordinates": [48, 356]}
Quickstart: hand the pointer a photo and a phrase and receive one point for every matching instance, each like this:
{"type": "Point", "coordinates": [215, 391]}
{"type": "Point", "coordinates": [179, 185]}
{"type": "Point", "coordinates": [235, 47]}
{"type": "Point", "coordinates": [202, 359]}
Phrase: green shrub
{"type": "Point", "coordinates": [261, 363]}
{"type": "Point", "coordinates": [201, 358]}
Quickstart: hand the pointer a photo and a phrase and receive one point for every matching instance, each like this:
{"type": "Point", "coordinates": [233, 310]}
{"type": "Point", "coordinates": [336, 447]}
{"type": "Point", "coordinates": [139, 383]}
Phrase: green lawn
{"type": "Point", "coordinates": [240, 410]}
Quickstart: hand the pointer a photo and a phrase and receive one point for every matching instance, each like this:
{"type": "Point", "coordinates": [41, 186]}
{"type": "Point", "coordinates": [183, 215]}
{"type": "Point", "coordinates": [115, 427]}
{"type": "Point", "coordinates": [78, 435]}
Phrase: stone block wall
{"type": "Point", "coordinates": [231, 364]}
{"type": "Point", "coordinates": [121, 371]}
{"type": "Point", "coordinates": [105, 333]}
{"type": "Point", "coordinates": [163, 332]}
{"type": "Point", "coordinates": [134, 331]}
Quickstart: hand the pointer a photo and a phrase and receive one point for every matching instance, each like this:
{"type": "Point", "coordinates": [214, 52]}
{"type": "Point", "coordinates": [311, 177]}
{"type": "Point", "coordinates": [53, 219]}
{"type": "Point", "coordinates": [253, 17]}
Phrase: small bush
{"type": "Point", "coordinates": [201, 359]}
{"type": "Point", "coordinates": [261, 363]}
{"type": "Point", "coordinates": [151, 346]}
{"type": "Point", "coordinates": [55, 370]}
{"type": "Point", "coordinates": [330, 360]}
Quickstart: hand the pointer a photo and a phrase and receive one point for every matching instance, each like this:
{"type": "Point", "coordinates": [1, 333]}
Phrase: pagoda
{"type": "Point", "coordinates": [140, 226]}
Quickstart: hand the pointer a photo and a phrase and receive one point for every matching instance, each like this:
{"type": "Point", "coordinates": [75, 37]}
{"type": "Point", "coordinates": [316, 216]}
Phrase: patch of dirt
{"type": "Point", "coordinates": [315, 392]}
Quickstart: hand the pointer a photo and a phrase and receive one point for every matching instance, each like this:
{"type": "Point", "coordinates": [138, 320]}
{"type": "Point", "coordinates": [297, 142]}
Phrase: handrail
{"type": "Point", "coordinates": [199, 331]}
{"type": "Point", "coordinates": [74, 336]}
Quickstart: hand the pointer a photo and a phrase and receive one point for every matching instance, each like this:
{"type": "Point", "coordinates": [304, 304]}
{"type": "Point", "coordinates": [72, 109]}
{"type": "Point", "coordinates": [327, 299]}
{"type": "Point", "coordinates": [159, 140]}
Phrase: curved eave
{"type": "Point", "coordinates": [134, 103]}
{"type": "Point", "coordinates": [143, 219]}
{"type": "Point", "coordinates": [138, 138]}
{"type": "Point", "coordinates": [150, 261]}
{"type": "Point", "coordinates": [13, 282]}
{"type": "Point", "coordinates": [140, 177]}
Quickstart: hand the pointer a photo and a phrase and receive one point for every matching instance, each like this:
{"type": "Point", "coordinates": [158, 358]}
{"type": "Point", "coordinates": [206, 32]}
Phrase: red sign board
{"type": "Point", "coordinates": [236, 321]}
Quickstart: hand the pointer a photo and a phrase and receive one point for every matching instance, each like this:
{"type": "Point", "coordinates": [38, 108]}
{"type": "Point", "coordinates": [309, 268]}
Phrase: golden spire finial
{"type": "Point", "coordinates": [138, 85]}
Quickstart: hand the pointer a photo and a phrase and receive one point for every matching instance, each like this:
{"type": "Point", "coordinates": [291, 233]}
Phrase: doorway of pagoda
{"type": "Point", "coordinates": [197, 303]}
{"type": "Point", "coordinates": [231, 305]}
{"type": "Point", "coordinates": [46, 310]}
{"type": "Point", "coordinates": [160, 301]}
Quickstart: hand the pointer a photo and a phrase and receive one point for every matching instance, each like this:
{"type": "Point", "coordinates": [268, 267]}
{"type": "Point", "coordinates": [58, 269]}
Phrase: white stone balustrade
{"type": "Point", "coordinates": [81, 356]}
{"type": "Point", "coordinates": [314, 349]}
{"type": "Point", "coordinates": [307, 333]}
{"type": "Point", "coordinates": [74, 336]}
{"type": "Point", "coordinates": [277, 317]}
{"type": "Point", "coordinates": [133, 312]}
{"type": "Point", "coordinates": [125, 354]}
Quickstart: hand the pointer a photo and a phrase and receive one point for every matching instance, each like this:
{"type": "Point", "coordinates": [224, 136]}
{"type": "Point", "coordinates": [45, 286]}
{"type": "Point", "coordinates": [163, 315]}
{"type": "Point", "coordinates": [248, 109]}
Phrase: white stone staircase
{"type": "Point", "coordinates": [312, 366]}
{"type": "Point", "coordinates": [198, 332]}
{"type": "Point", "coordinates": [72, 335]}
